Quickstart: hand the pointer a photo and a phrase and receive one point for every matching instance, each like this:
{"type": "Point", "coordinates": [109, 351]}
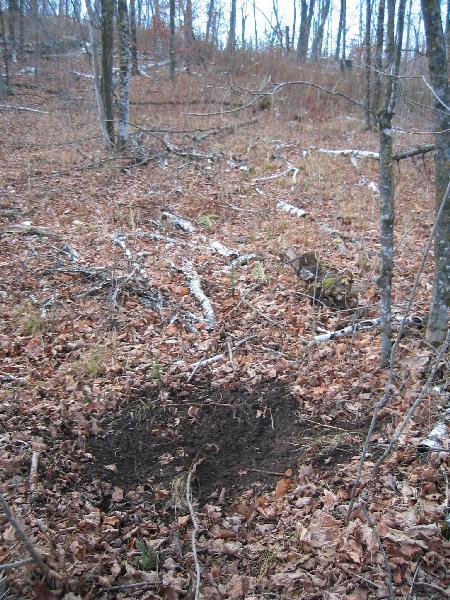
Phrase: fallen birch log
{"type": "Point", "coordinates": [351, 153]}
{"type": "Point", "coordinates": [365, 325]}
{"type": "Point", "coordinates": [243, 260]}
{"type": "Point", "coordinates": [437, 439]}
{"type": "Point", "coordinates": [420, 151]}
{"type": "Point", "coordinates": [195, 288]}
{"type": "Point", "coordinates": [180, 222]}
{"type": "Point", "coordinates": [291, 209]}
{"type": "Point", "coordinates": [223, 250]}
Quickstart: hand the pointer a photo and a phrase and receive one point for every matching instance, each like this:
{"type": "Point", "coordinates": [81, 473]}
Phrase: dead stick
{"type": "Point", "coordinates": [23, 537]}
{"type": "Point", "coordinates": [195, 527]}
{"type": "Point", "coordinates": [16, 564]}
{"type": "Point", "coordinates": [387, 566]}
{"type": "Point", "coordinates": [34, 470]}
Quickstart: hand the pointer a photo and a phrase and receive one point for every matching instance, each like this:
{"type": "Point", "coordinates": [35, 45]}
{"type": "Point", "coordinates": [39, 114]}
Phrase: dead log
{"type": "Point", "coordinates": [437, 439]}
{"type": "Point", "coordinates": [291, 209]}
{"type": "Point", "coordinates": [195, 287]}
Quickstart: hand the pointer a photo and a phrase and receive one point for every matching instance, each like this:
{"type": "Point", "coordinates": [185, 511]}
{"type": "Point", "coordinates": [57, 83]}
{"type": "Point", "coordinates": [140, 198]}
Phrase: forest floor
{"type": "Point", "coordinates": [104, 351]}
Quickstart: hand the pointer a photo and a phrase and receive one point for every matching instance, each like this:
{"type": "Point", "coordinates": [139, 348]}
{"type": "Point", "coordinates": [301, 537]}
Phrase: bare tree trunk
{"type": "Point", "coordinates": [107, 16]}
{"type": "Point", "coordinates": [12, 13]}
{"type": "Point", "coordinates": [306, 15]}
{"type": "Point", "coordinates": [209, 21]}
{"type": "Point", "coordinates": [157, 28]}
{"type": "Point", "coordinates": [367, 71]}
{"type": "Point", "coordinates": [93, 26]}
{"type": "Point", "coordinates": [316, 50]}
{"type": "Point", "coordinates": [340, 28]}
{"type": "Point", "coordinates": [5, 52]}
{"type": "Point", "coordinates": [378, 57]}
{"type": "Point", "coordinates": [188, 26]}
{"type": "Point", "coordinates": [124, 52]}
{"type": "Point", "coordinates": [172, 39]}
{"type": "Point", "coordinates": [243, 21]}
{"type": "Point", "coordinates": [21, 45]}
{"type": "Point", "coordinates": [231, 45]}
{"type": "Point", "coordinates": [294, 22]}
{"type": "Point", "coordinates": [133, 39]}
{"type": "Point", "coordinates": [438, 66]}
{"type": "Point", "coordinates": [387, 193]}
{"type": "Point", "coordinates": [255, 25]}
{"type": "Point", "coordinates": [287, 40]}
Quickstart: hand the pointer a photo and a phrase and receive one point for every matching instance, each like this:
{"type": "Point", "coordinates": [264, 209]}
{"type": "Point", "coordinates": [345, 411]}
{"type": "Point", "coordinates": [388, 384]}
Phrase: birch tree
{"type": "Point", "coordinates": [438, 67]}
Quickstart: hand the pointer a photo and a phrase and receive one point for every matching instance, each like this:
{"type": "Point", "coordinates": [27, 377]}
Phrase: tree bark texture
{"type": "Point", "coordinates": [133, 39]}
{"type": "Point", "coordinates": [231, 45]}
{"type": "Point", "coordinates": [387, 192]}
{"type": "Point", "coordinates": [172, 39]}
{"type": "Point", "coordinates": [306, 15]}
{"type": "Point", "coordinates": [367, 60]}
{"type": "Point", "coordinates": [107, 16]}
{"type": "Point", "coordinates": [124, 75]}
{"type": "Point", "coordinates": [438, 67]}
{"type": "Point", "coordinates": [378, 57]}
{"type": "Point", "coordinates": [316, 50]}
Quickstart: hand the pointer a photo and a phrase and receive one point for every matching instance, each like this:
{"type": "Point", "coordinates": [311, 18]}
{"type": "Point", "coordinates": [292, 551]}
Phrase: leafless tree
{"type": "Point", "coordinates": [367, 61]}
{"type": "Point", "coordinates": [393, 57]}
{"type": "Point", "coordinates": [123, 25]}
{"type": "Point", "coordinates": [107, 35]}
{"type": "Point", "coordinates": [172, 39]}
{"type": "Point", "coordinates": [306, 15]}
{"type": "Point", "coordinates": [133, 39]}
{"type": "Point", "coordinates": [438, 67]}
{"type": "Point", "coordinates": [316, 49]}
{"type": "Point", "coordinates": [231, 45]}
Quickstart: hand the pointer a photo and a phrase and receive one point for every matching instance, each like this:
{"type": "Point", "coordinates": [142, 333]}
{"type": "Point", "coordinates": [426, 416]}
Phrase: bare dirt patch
{"type": "Point", "coordinates": [247, 440]}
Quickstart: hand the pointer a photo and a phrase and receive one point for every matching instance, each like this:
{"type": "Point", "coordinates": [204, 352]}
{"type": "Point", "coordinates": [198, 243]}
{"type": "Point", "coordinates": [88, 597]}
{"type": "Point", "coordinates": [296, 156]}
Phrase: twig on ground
{"type": "Point", "coordinates": [16, 564]}
{"type": "Point", "coordinates": [34, 470]}
{"type": "Point", "coordinates": [194, 525]}
{"type": "Point", "coordinates": [24, 538]}
{"type": "Point", "coordinates": [132, 586]}
{"type": "Point", "coordinates": [212, 359]}
{"type": "Point", "coordinates": [23, 109]}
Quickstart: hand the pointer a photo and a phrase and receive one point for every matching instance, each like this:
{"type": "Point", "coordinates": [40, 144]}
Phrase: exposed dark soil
{"type": "Point", "coordinates": [247, 440]}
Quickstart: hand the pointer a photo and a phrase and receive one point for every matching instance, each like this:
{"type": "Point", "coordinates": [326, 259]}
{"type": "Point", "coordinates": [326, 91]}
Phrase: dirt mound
{"type": "Point", "coordinates": [246, 439]}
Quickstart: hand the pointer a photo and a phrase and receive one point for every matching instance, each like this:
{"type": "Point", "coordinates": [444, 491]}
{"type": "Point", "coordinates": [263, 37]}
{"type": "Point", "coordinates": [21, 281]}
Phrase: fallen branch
{"type": "Point", "coordinates": [435, 440]}
{"type": "Point", "coordinates": [179, 222]}
{"type": "Point", "coordinates": [23, 109]}
{"type": "Point", "coordinates": [351, 153]}
{"type": "Point", "coordinates": [34, 470]}
{"type": "Point", "coordinates": [35, 556]}
{"type": "Point", "coordinates": [420, 151]}
{"type": "Point", "coordinates": [194, 526]}
{"type": "Point", "coordinates": [218, 357]}
{"type": "Point", "coordinates": [290, 169]}
{"type": "Point", "coordinates": [227, 129]}
{"type": "Point", "coordinates": [223, 250]}
{"type": "Point", "coordinates": [291, 209]}
{"type": "Point", "coordinates": [365, 325]}
{"type": "Point", "coordinates": [27, 229]}
{"type": "Point", "coordinates": [243, 259]}
{"type": "Point", "coordinates": [196, 290]}
{"type": "Point", "coordinates": [16, 564]}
